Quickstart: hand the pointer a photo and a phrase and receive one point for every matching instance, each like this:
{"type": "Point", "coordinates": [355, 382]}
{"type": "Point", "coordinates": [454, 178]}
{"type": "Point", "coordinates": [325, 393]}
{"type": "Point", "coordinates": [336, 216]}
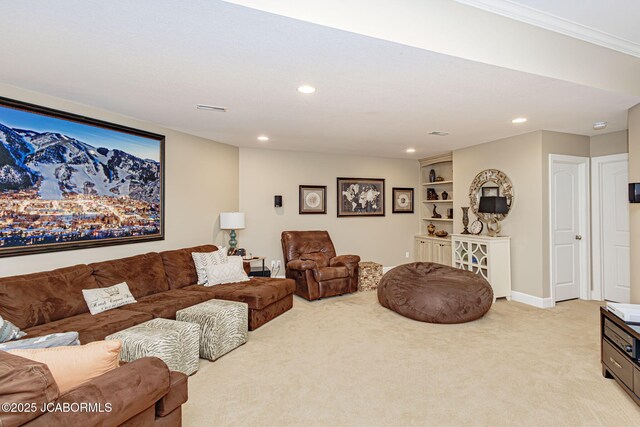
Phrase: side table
{"type": "Point", "coordinates": [261, 271]}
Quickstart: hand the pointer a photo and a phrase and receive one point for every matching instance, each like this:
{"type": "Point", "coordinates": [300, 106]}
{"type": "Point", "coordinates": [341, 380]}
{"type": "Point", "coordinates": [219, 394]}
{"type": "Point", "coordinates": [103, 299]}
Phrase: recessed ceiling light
{"type": "Point", "coordinates": [519, 120]}
{"type": "Point", "coordinates": [410, 150]}
{"type": "Point", "coordinates": [438, 133]}
{"type": "Point", "coordinates": [263, 138]}
{"type": "Point", "coordinates": [599, 125]}
{"type": "Point", "coordinates": [306, 89]}
{"type": "Point", "coordinates": [211, 108]}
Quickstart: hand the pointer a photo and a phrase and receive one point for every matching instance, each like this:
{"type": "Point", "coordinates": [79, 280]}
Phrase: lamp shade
{"type": "Point", "coordinates": [231, 220]}
{"type": "Point", "coordinates": [493, 205]}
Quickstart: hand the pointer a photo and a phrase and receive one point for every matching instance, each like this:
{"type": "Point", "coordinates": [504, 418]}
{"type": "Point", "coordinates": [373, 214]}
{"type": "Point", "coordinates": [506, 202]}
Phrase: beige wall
{"type": "Point", "coordinates": [555, 143]}
{"type": "Point", "coordinates": [609, 143]}
{"type": "Point", "coordinates": [265, 173]}
{"type": "Point", "coordinates": [634, 208]}
{"type": "Point", "coordinates": [201, 181]}
{"type": "Point", "coordinates": [518, 157]}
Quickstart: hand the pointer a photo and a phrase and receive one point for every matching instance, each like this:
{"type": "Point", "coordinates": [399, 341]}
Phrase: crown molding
{"type": "Point", "coordinates": [551, 22]}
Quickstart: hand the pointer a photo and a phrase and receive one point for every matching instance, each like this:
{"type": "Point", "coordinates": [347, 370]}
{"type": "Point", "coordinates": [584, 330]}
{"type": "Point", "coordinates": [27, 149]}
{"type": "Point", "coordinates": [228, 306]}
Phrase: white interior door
{"type": "Point", "coordinates": [611, 254]}
{"type": "Point", "coordinates": [568, 204]}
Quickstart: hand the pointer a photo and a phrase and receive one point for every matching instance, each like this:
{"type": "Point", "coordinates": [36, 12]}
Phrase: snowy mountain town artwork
{"type": "Point", "coordinates": [68, 181]}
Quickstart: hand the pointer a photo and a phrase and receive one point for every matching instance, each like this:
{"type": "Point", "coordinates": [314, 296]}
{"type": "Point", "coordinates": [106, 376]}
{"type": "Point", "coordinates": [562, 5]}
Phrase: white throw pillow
{"type": "Point", "coordinates": [204, 260]}
{"type": "Point", "coordinates": [231, 271]}
{"type": "Point", "coordinates": [103, 299]}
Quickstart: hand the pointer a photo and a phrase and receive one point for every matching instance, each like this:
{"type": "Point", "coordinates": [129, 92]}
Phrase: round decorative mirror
{"type": "Point", "coordinates": [496, 191]}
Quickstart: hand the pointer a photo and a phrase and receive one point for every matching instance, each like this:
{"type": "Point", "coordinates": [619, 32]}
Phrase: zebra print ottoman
{"type": "Point", "coordinates": [223, 325]}
{"type": "Point", "coordinates": [175, 343]}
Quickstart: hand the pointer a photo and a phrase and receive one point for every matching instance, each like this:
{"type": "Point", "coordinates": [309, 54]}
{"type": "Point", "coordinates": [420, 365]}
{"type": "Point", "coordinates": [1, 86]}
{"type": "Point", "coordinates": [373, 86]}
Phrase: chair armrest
{"type": "Point", "coordinates": [345, 260]}
{"type": "Point", "coordinates": [298, 264]}
{"type": "Point", "coordinates": [128, 391]}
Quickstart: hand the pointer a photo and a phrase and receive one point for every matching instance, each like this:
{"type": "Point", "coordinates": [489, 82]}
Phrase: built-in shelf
{"type": "Point", "coordinates": [426, 184]}
{"type": "Point", "coordinates": [430, 248]}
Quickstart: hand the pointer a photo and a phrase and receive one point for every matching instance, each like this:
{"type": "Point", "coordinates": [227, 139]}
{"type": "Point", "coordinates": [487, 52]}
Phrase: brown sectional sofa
{"type": "Point", "coordinates": [162, 283]}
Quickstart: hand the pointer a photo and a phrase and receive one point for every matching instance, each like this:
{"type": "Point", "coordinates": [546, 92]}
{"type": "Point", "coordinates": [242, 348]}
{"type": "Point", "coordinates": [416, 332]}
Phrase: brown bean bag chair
{"type": "Point", "coordinates": [435, 293]}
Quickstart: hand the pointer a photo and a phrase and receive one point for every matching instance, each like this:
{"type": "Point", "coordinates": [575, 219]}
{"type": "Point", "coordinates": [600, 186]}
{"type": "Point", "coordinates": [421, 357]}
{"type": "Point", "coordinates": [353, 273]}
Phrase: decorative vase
{"type": "Point", "coordinates": [432, 176]}
{"type": "Point", "coordinates": [431, 229]}
{"type": "Point", "coordinates": [445, 195]}
{"type": "Point", "coordinates": [465, 220]}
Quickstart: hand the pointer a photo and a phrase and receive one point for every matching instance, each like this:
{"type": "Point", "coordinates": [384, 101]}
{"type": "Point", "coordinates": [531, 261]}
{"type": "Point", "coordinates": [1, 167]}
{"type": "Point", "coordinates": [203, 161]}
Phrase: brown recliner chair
{"type": "Point", "coordinates": [310, 259]}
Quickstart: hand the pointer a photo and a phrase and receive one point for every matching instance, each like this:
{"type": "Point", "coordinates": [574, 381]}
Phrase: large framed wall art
{"type": "Point", "coordinates": [360, 197]}
{"type": "Point", "coordinates": [71, 182]}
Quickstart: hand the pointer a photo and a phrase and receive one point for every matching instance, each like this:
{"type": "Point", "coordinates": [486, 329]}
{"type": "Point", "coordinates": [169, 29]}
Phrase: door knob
{"type": "Point", "coordinates": [578, 237]}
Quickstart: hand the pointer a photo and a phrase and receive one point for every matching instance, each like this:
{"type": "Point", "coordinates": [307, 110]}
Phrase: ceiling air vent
{"type": "Point", "coordinates": [438, 133]}
{"type": "Point", "coordinates": [211, 108]}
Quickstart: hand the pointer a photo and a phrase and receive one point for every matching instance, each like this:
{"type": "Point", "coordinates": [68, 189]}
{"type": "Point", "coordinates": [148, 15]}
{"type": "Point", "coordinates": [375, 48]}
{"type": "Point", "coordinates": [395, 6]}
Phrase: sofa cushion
{"type": "Point", "coordinates": [33, 299]}
{"type": "Point", "coordinates": [258, 292]}
{"type": "Point", "coordinates": [166, 304]}
{"type": "Point", "coordinates": [9, 331]}
{"type": "Point", "coordinates": [92, 327]}
{"type": "Point", "coordinates": [24, 381]}
{"type": "Point", "coordinates": [60, 339]}
{"type": "Point", "coordinates": [330, 273]}
{"type": "Point", "coordinates": [179, 266]}
{"type": "Point", "coordinates": [73, 366]}
{"type": "Point", "coordinates": [103, 299]}
{"type": "Point", "coordinates": [144, 274]}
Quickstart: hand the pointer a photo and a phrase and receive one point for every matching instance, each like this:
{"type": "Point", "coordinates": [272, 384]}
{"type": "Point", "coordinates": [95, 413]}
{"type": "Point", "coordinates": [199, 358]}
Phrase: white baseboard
{"type": "Point", "coordinates": [531, 300]}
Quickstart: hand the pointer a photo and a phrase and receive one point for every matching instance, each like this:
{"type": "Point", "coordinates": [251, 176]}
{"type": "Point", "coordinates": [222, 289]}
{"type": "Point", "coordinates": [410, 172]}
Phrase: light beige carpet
{"type": "Point", "coordinates": [347, 361]}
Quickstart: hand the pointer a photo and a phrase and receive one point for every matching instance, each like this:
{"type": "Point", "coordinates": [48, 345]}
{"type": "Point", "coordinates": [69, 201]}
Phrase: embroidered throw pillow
{"type": "Point", "coordinates": [203, 260]}
{"type": "Point", "coordinates": [47, 341]}
{"type": "Point", "coordinates": [103, 299]}
{"type": "Point", "coordinates": [9, 331]}
{"type": "Point", "coordinates": [231, 271]}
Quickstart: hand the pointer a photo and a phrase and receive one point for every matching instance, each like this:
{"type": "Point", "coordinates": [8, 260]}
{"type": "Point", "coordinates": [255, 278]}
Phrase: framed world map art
{"type": "Point", "coordinates": [402, 200]}
{"type": "Point", "coordinates": [360, 197]}
{"type": "Point", "coordinates": [313, 199]}
{"type": "Point", "coordinates": [71, 182]}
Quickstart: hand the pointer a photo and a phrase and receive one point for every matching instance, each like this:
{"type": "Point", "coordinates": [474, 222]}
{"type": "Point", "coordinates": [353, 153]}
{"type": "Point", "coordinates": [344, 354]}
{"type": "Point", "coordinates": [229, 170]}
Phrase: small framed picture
{"type": "Point", "coordinates": [313, 199]}
{"type": "Point", "coordinates": [490, 191]}
{"type": "Point", "coordinates": [402, 200]}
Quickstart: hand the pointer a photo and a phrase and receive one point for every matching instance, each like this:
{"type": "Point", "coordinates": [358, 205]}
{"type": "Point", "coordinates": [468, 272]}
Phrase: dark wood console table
{"type": "Point", "coordinates": [618, 358]}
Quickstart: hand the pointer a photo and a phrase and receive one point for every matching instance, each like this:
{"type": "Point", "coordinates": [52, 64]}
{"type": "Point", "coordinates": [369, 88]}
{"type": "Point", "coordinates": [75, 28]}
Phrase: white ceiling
{"type": "Point", "coordinates": [154, 61]}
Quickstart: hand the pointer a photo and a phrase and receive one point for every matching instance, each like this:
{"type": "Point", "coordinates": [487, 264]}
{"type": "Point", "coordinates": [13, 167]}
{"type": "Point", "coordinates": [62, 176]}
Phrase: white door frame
{"type": "Point", "coordinates": [585, 250]}
{"type": "Point", "coordinates": [597, 293]}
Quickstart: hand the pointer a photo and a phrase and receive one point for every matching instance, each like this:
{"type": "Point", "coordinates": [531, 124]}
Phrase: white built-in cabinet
{"type": "Point", "coordinates": [428, 247]}
{"type": "Point", "coordinates": [433, 249]}
{"type": "Point", "coordinates": [488, 257]}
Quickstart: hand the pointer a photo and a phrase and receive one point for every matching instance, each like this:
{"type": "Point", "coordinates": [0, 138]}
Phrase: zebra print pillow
{"type": "Point", "coordinates": [204, 260]}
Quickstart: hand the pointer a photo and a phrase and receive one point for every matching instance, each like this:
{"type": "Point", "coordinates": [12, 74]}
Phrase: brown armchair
{"type": "Point", "coordinates": [310, 259]}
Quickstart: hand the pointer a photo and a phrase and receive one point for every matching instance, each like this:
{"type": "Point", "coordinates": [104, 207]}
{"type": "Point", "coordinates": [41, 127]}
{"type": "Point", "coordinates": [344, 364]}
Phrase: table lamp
{"type": "Point", "coordinates": [494, 205]}
{"type": "Point", "coordinates": [232, 221]}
